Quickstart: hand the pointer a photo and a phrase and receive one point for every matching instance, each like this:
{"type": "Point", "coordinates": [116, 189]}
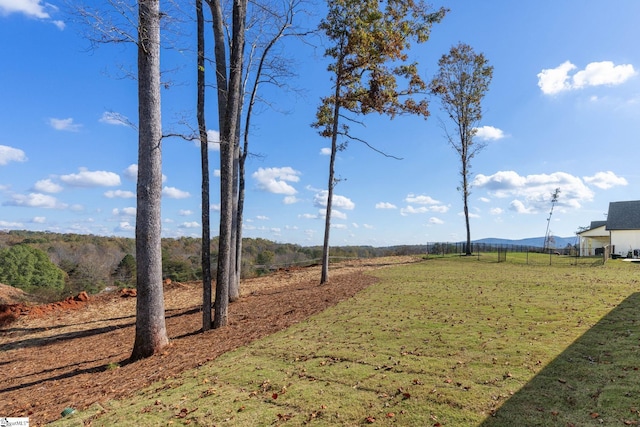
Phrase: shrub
{"type": "Point", "coordinates": [29, 269]}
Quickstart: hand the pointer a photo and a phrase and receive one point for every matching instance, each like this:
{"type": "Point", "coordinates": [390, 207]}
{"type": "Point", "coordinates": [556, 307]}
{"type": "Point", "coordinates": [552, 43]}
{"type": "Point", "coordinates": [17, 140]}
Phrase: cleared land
{"type": "Point", "coordinates": [448, 341]}
{"type": "Point", "coordinates": [73, 354]}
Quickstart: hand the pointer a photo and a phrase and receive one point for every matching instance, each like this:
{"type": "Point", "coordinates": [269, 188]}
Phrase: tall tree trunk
{"type": "Point", "coordinates": [221, 303]}
{"type": "Point", "coordinates": [204, 157]}
{"type": "Point", "coordinates": [227, 143]}
{"type": "Point", "coordinates": [151, 333]}
{"type": "Point", "coordinates": [465, 195]}
{"type": "Point", "coordinates": [324, 276]}
{"type": "Point", "coordinates": [234, 277]}
{"type": "Point", "coordinates": [240, 211]}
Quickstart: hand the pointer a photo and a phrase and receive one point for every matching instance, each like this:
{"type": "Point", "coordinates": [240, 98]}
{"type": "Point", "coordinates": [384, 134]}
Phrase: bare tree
{"type": "Point", "coordinates": [233, 74]}
{"type": "Point", "coordinates": [229, 90]}
{"type": "Point", "coordinates": [461, 83]}
{"type": "Point", "coordinates": [270, 25]}
{"type": "Point", "coordinates": [151, 334]}
{"type": "Point", "coordinates": [548, 237]}
{"type": "Point", "coordinates": [369, 43]}
{"type": "Point", "coordinates": [204, 158]}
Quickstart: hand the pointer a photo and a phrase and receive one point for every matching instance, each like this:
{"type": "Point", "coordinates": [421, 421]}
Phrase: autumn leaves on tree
{"type": "Point", "coordinates": [369, 44]}
{"type": "Point", "coordinates": [371, 72]}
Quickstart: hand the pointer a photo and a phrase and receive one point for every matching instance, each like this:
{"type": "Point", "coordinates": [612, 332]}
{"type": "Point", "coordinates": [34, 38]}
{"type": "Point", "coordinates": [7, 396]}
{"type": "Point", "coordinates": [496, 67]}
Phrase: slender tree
{"type": "Point", "coordinates": [461, 83]}
{"type": "Point", "coordinates": [204, 158]}
{"type": "Point", "coordinates": [369, 41]}
{"type": "Point", "coordinates": [271, 25]}
{"type": "Point", "coordinates": [548, 238]}
{"type": "Point", "coordinates": [151, 333]}
{"type": "Point", "coordinates": [234, 74]}
{"type": "Point", "coordinates": [229, 90]}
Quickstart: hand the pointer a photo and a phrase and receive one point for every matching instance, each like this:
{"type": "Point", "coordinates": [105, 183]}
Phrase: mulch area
{"type": "Point", "coordinates": [66, 358]}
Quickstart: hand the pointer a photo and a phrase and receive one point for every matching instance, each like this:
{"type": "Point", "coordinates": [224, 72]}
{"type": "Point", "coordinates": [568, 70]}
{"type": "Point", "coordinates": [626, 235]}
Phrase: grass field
{"type": "Point", "coordinates": [445, 342]}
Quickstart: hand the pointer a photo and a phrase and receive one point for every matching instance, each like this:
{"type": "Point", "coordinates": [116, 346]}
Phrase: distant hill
{"type": "Point", "coordinates": [560, 242]}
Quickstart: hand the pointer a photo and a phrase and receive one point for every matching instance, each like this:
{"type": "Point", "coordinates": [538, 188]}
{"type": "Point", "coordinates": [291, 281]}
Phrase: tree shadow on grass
{"type": "Point", "coordinates": [66, 336]}
{"type": "Point", "coordinates": [595, 381]}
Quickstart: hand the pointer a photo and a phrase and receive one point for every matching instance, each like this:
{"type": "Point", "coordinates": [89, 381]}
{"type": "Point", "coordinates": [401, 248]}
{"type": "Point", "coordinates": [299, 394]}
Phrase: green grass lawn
{"type": "Point", "coordinates": [445, 342]}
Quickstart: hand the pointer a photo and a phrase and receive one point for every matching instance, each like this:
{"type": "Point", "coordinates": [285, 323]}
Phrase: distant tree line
{"type": "Point", "coordinates": [59, 265]}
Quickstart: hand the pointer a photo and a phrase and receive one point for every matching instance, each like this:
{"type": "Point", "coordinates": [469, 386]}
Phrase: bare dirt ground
{"type": "Point", "coordinates": [65, 354]}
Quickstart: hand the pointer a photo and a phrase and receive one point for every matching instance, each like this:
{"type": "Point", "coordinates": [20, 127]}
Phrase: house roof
{"type": "Point", "coordinates": [597, 227]}
{"type": "Point", "coordinates": [624, 215]}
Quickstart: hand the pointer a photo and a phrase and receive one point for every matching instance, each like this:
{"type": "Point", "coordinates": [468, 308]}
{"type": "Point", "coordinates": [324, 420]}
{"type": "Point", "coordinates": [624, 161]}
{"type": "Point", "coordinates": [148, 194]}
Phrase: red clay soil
{"type": "Point", "coordinates": [57, 357]}
{"type": "Point", "coordinates": [10, 312]}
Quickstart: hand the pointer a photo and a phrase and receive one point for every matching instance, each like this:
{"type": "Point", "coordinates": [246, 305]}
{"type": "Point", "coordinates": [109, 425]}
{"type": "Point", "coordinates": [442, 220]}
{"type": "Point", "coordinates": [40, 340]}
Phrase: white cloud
{"type": "Point", "coordinates": [368, 226]}
{"type": "Point", "coordinates": [35, 200]}
{"type": "Point", "coordinates": [603, 73]}
{"type": "Point", "coordinates": [519, 207]}
{"type": "Point", "coordinates": [64, 124]}
{"type": "Point", "coordinates": [496, 211]}
{"type": "Point", "coordinates": [439, 208]}
{"type": "Point", "coordinates": [533, 192]}
{"type": "Point", "coordinates": [262, 218]}
{"type": "Point", "coordinates": [308, 216]}
{"type": "Point", "coordinates": [325, 151]}
{"type": "Point", "coordinates": [289, 200]}
{"type": "Point", "coordinates": [484, 199]}
{"type": "Point", "coordinates": [131, 172]}
{"type": "Point", "coordinates": [385, 205]}
{"type": "Point", "coordinates": [555, 80]}
{"type": "Point", "coordinates": [35, 9]}
{"type": "Point", "coordinates": [428, 203]}
{"type": "Point", "coordinates": [10, 154]}
{"type": "Point", "coordinates": [125, 226]}
{"type": "Point", "coordinates": [335, 214]}
{"type": "Point", "coordinates": [605, 180]}
{"type": "Point", "coordinates": [275, 180]}
{"type": "Point", "coordinates": [213, 140]}
{"type": "Point", "coordinates": [174, 193]}
{"type": "Point", "coordinates": [119, 194]}
{"type": "Point", "coordinates": [39, 219]}
{"type": "Point", "coordinates": [86, 178]}
{"type": "Point", "coordinates": [129, 211]}
{"type": "Point", "coordinates": [47, 186]}
{"type": "Point", "coordinates": [411, 210]}
{"type": "Point", "coordinates": [436, 221]}
{"type": "Point", "coordinates": [7, 224]}
{"type": "Point", "coordinates": [192, 224]}
{"type": "Point", "coordinates": [320, 200]}
{"type": "Point", "coordinates": [421, 200]}
{"type": "Point", "coordinates": [31, 8]}
{"type": "Point", "coordinates": [215, 207]}
{"type": "Point", "coordinates": [113, 118]}
{"type": "Point", "coordinates": [339, 226]}
{"type": "Point", "coordinates": [185, 212]}
{"type": "Point", "coordinates": [489, 133]}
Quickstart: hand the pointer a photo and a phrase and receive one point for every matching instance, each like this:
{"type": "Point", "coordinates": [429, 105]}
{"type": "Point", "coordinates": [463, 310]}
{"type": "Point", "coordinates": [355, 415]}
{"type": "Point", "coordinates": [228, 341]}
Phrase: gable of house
{"type": "Point", "coordinates": [623, 216]}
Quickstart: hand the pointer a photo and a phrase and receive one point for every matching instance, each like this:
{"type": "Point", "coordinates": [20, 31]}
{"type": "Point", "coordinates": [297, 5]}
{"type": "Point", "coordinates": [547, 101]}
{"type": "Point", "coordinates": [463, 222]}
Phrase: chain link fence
{"type": "Point", "coordinates": [519, 254]}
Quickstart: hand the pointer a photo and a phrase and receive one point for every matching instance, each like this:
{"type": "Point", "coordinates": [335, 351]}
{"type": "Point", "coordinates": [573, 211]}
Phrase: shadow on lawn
{"type": "Point", "coordinates": [66, 336]}
{"type": "Point", "coordinates": [594, 381]}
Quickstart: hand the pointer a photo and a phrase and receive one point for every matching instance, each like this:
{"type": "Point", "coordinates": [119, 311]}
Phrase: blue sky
{"type": "Point", "coordinates": [562, 112]}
